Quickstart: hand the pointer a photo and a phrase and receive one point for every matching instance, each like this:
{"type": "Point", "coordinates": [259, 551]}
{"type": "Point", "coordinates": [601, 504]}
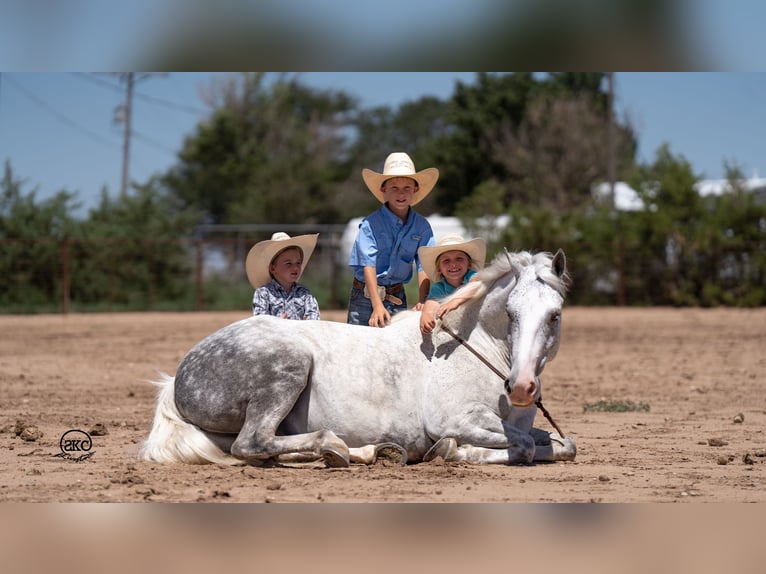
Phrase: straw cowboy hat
{"type": "Point", "coordinates": [475, 248]}
{"type": "Point", "coordinates": [262, 254]}
{"type": "Point", "coordinates": [399, 164]}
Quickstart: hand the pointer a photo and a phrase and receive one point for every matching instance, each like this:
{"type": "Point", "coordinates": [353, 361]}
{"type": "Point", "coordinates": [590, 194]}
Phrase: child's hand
{"type": "Point", "coordinates": [427, 322]}
{"type": "Point", "coordinates": [428, 316]}
{"type": "Point", "coordinates": [450, 305]}
{"type": "Point", "coordinates": [380, 317]}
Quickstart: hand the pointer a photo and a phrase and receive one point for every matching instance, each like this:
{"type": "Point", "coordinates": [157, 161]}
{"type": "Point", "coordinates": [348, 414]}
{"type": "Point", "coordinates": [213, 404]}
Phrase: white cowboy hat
{"type": "Point", "coordinates": [475, 248]}
{"type": "Point", "coordinates": [399, 164]}
{"type": "Point", "coordinates": [262, 254]}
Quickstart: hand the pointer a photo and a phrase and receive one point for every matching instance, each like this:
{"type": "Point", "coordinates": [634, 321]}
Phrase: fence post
{"type": "Point", "coordinates": [65, 275]}
{"type": "Point", "coordinates": [198, 275]}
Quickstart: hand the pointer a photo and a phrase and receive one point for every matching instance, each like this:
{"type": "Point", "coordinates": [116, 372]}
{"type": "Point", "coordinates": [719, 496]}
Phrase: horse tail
{"type": "Point", "coordinates": [172, 439]}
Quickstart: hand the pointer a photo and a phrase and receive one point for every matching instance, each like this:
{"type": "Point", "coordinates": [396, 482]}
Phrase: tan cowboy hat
{"type": "Point", "coordinates": [262, 254]}
{"type": "Point", "coordinates": [475, 248]}
{"type": "Point", "coordinates": [399, 164]}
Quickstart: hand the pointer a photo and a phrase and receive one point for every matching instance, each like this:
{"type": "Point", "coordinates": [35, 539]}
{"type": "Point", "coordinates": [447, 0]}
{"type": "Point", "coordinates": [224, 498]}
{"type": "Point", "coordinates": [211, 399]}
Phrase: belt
{"type": "Point", "coordinates": [389, 288]}
{"type": "Point", "coordinates": [385, 291]}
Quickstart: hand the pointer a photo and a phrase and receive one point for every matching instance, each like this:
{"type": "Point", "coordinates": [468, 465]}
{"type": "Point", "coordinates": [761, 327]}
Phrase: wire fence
{"type": "Point", "coordinates": [206, 272]}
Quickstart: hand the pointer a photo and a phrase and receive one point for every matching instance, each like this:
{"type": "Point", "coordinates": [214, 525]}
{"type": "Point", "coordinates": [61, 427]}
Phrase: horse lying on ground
{"type": "Point", "coordinates": [266, 388]}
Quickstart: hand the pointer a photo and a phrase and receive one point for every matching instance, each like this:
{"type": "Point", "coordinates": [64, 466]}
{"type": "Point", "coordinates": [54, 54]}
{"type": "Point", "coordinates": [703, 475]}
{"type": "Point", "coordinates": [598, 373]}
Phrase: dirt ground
{"type": "Point", "coordinates": [700, 371]}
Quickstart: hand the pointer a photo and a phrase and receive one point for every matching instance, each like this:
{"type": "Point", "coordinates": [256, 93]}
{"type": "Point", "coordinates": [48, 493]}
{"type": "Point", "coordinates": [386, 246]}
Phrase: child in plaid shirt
{"type": "Point", "coordinates": [273, 268]}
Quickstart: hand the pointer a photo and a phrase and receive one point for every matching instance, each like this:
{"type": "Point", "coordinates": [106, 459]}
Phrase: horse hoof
{"type": "Point", "coordinates": [568, 449]}
{"type": "Point", "coordinates": [444, 447]}
{"type": "Point", "coordinates": [390, 452]}
{"type": "Point", "coordinates": [333, 458]}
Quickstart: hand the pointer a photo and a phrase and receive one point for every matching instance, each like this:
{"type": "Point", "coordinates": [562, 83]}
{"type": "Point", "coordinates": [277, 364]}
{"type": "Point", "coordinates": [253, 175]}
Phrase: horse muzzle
{"type": "Point", "coordinates": [522, 394]}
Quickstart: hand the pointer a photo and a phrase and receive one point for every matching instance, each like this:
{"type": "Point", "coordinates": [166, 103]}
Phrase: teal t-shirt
{"type": "Point", "coordinates": [442, 288]}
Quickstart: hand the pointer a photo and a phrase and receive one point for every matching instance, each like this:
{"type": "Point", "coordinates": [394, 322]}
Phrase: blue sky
{"type": "Point", "coordinates": [57, 129]}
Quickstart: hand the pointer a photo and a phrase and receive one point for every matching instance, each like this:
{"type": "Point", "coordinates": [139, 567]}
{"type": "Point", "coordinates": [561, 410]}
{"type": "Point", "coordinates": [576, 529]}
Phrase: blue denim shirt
{"type": "Point", "coordinates": [389, 245]}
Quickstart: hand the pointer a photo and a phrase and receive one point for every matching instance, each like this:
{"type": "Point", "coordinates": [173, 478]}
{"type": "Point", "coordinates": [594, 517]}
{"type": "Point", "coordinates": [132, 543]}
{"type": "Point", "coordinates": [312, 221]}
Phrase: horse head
{"type": "Point", "coordinates": [533, 308]}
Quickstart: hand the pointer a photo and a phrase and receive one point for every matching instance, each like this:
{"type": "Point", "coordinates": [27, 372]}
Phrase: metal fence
{"type": "Point", "coordinates": [206, 272]}
{"type": "Point", "coordinates": [58, 275]}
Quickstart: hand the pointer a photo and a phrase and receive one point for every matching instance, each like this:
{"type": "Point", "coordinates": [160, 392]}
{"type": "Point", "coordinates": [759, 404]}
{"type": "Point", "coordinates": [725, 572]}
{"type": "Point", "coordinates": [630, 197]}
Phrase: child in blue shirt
{"type": "Point", "coordinates": [452, 263]}
{"type": "Point", "coordinates": [388, 241]}
{"type": "Point", "coordinates": [273, 268]}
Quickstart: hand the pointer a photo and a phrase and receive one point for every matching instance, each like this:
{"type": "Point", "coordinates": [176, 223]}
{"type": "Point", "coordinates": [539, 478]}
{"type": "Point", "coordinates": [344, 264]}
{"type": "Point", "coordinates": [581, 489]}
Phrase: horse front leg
{"type": "Point", "coordinates": [481, 437]}
{"type": "Point", "coordinates": [551, 447]}
{"type": "Point", "coordinates": [520, 450]}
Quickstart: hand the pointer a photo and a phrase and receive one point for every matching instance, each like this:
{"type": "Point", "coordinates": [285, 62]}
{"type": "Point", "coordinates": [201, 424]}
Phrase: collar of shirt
{"type": "Point", "coordinates": [277, 289]}
{"type": "Point", "coordinates": [393, 217]}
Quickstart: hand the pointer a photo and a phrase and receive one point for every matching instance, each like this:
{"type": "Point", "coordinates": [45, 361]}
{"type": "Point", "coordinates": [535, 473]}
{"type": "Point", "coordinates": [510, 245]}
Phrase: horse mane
{"type": "Point", "coordinates": [505, 263]}
{"type": "Point", "coordinates": [543, 264]}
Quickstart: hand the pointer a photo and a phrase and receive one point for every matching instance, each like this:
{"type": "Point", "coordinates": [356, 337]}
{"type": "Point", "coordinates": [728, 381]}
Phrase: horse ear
{"type": "Point", "coordinates": [559, 263]}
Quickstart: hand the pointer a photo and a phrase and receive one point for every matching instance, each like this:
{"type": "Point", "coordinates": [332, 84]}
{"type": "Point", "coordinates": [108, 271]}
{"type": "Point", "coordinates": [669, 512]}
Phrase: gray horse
{"type": "Point", "coordinates": [267, 388]}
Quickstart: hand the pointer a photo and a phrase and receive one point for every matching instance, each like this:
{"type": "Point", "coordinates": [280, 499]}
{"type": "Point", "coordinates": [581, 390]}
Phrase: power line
{"type": "Point", "coordinates": [146, 97]}
{"type": "Point", "coordinates": [169, 104]}
{"type": "Point", "coordinates": [57, 114]}
{"type": "Point", "coordinates": [146, 139]}
{"type": "Point", "coordinates": [126, 111]}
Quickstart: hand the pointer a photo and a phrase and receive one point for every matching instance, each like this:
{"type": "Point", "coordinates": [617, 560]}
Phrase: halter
{"type": "Point", "coordinates": [506, 380]}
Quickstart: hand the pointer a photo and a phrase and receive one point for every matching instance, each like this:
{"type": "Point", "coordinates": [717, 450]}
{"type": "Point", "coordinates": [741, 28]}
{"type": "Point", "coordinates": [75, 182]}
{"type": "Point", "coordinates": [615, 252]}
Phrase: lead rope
{"type": "Point", "coordinates": [506, 380]}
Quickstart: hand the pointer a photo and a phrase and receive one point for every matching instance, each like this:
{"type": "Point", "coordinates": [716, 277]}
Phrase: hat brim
{"type": "Point", "coordinates": [475, 248]}
{"type": "Point", "coordinates": [426, 179]}
{"type": "Point", "coordinates": [260, 256]}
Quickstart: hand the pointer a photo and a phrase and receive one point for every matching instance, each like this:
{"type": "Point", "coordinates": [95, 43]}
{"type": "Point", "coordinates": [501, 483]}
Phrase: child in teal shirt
{"type": "Point", "coordinates": [453, 262]}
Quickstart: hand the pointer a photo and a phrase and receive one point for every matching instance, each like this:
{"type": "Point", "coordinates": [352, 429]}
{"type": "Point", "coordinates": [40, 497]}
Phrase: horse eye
{"type": "Point", "coordinates": [555, 317]}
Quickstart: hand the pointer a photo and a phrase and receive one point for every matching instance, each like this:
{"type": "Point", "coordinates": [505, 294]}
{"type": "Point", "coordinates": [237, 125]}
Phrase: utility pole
{"type": "Point", "coordinates": [611, 169]}
{"type": "Point", "coordinates": [124, 113]}
{"type": "Point", "coordinates": [128, 111]}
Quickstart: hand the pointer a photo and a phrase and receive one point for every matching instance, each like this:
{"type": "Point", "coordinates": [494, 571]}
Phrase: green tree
{"type": "Point", "coordinates": [664, 232]}
{"type": "Point", "coordinates": [130, 253]}
{"type": "Point", "coordinates": [271, 151]}
{"type": "Point", "coordinates": [543, 138]}
{"type": "Point", "coordinates": [464, 156]}
{"type": "Point", "coordinates": [732, 246]}
{"type": "Point", "coordinates": [30, 232]}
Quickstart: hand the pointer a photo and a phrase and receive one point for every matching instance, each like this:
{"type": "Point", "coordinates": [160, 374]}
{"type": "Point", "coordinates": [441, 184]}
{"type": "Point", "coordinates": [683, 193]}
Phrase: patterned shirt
{"type": "Point", "coordinates": [441, 289]}
{"type": "Point", "coordinates": [389, 245]}
{"type": "Point", "coordinates": [271, 299]}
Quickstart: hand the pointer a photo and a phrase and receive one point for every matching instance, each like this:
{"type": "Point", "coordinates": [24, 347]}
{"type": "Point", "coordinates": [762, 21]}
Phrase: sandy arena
{"type": "Point", "coordinates": [700, 371]}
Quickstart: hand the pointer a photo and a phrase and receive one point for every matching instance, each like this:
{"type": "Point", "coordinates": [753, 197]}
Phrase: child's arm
{"type": "Point", "coordinates": [428, 315]}
{"type": "Point", "coordinates": [260, 302]}
{"type": "Point", "coordinates": [466, 293]}
{"type": "Point", "coordinates": [380, 316]}
{"type": "Point", "coordinates": [312, 308]}
{"type": "Point", "coordinates": [424, 286]}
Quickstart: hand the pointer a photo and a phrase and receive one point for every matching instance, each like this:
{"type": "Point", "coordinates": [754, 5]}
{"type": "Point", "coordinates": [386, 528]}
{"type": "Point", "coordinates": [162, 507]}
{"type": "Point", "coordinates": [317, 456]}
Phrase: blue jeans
{"type": "Point", "coordinates": [360, 307]}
